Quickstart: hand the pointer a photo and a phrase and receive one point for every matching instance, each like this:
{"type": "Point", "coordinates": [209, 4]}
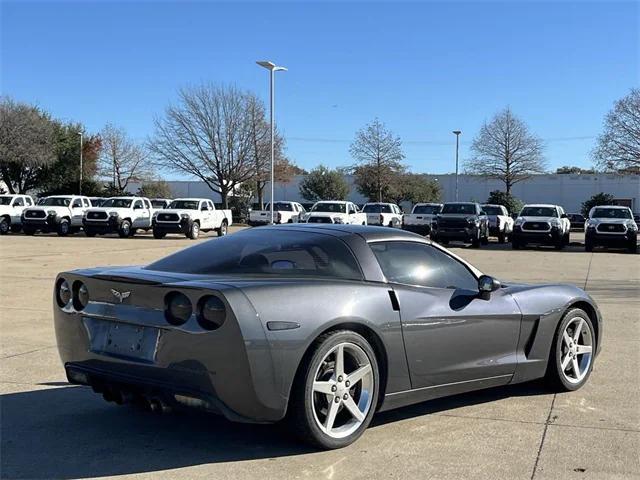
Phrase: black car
{"type": "Point", "coordinates": [461, 221]}
{"type": "Point", "coordinates": [577, 221]}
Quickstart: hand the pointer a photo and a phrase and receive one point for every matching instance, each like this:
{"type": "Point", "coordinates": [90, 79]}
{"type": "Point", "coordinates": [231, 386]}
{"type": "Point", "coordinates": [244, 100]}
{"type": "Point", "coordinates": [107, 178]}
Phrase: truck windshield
{"type": "Point", "coordinates": [492, 210]}
{"type": "Point", "coordinates": [377, 208]}
{"type": "Point", "coordinates": [611, 213]}
{"type": "Point", "coordinates": [329, 207]}
{"type": "Point", "coordinates": [538, 212]}
{"type": "Point", "coordinates": [184, 205]}
{"type": "Point", "coordinates": [460, 208]}
{"type": "Point", "coordinates": [56, 202]}
{"type": "Point", "coordinates": [5, 200]}
{"type": "Point", "coordinates": [117, 203]}
{"type": "Point", "coordinates": [280, 207]}
{"type": "Point", "coordinates": [427, 209]}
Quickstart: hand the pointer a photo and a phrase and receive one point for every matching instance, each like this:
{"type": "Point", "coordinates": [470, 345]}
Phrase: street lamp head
{"type": "Point", "coordinates": [457, 132]}
{"type": "Point", "coordinates": [270, 66]}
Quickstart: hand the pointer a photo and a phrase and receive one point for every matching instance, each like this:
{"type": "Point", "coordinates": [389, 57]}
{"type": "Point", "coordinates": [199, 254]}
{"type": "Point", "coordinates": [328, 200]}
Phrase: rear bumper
{"type": "Point", "coordinates": [419, 229]}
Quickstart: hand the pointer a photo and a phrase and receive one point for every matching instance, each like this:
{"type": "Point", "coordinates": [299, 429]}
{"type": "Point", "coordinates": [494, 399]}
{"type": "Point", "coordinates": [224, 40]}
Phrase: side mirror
{"type": "Point", "coordinates": [564, 215]}
{"type": "Point", "coordinates": [486, 285]}
{"type": "Point", "coordinates": [482, 212]}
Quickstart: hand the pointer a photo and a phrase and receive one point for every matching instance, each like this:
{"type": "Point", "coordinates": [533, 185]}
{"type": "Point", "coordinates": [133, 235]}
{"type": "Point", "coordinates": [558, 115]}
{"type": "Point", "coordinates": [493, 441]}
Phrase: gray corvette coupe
{"type": "Point", "coordinates": [321, 325]}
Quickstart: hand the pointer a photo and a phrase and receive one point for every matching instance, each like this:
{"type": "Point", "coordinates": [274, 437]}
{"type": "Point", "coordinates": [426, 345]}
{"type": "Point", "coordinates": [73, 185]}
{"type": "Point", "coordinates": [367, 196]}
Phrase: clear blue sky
{"type": "Point", "coordinates": [424, 68]}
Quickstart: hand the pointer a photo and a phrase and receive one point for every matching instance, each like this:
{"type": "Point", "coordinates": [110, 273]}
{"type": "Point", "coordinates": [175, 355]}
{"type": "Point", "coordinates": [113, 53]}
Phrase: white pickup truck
{"type": "Point", "coordinates": [11, 208]}
{"type": "Point", "coordinates": [59, 213]}
{"type": "Point", "coordinates": [541, 224]}
{"type": "Point", "coordinates": [384, 214]}
{"type": "Point", "coordinates": [500, 222]}
{"type": "Point", "coordinates": [283, 212]}
{"type": "Point", "coordinates": [421, 218]}
{"type": "Point", "coordinates": [121, 215]}
{"type": "Point", "coordinates": [190, 216]}
{"type": "Point", "coordinates": [337, 211]}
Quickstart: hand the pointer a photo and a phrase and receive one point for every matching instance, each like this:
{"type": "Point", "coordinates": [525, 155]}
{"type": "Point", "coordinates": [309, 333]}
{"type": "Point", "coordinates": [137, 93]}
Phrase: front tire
{"type": "Point", "coordinates": [502, 238]}
{"type": "Point", "coordinates": [89, 232]}
{"type": "Point", "coordinates": [335, 391]}
{"type": "Point", "coordinates": [159, 233]}
{"type": "Point", "coordinates": [194, 231]}
{"type": "Point", "coordinates": [125, 229]}
{"type": "Point", "coordinates": [572, 352]}
{"type": "Point", "coordinates": [4, 226]}
{"type": "Point", "coordinates": [64, 227]}
{"type": "Point", "coordinates": [29, 230]}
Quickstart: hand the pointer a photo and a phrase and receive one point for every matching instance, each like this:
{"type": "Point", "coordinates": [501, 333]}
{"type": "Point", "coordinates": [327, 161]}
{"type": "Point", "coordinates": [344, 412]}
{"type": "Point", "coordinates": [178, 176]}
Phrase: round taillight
{"type": "Point", "coordinates": [80, 295]}
{"type": "Point", "coordinates": [63, 293]}
{"type": "Point", "coordinates": [178, 308]}
{"type": "Point", "coordinates": [212, 313]}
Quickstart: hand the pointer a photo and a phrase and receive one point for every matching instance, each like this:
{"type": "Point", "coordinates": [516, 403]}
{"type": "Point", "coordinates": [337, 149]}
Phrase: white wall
{"type": "Point", "coordinates": [566, 190]}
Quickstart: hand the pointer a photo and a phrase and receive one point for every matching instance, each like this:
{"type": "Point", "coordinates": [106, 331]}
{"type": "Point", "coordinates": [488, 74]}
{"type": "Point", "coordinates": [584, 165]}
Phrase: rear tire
{"type": "Point", "coordinates": [501, 237]}
{"type": "Point", "coordinates": [566, 348]}
{"type": "Point", "coordinates": [159, 234]}
{"type": "Point", "coordinates": [588, 245]}
{"type": "Point", "coordinates": [325, 394]}
{"type": "Point", "coordinates": [633, 247]}
{"type": "Point", "coordinates": [4, 226]}
{"type": "Point", "coordinates": [223, 230]}
{"type": "Point", "coordinates": [16, 228]}
{"type": "Point", "coordinates": [90, 232]}
{"type": "Point", "coordinates": [29, 231]}
{"type": "Point", "coordinates": [475, 243]}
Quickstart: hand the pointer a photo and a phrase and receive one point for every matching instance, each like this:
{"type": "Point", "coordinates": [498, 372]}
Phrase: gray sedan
{"type": "Point", "coordinates": [318, 325]}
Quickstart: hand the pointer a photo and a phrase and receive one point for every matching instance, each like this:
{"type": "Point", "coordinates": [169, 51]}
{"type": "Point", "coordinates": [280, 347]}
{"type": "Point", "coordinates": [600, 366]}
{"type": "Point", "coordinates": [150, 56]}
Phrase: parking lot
{"type": "Point", "coordinates": [50, 429]}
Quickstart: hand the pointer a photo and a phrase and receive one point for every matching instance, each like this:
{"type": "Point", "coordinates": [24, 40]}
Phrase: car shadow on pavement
{"type": "Point", "coordinates": [70, 432]}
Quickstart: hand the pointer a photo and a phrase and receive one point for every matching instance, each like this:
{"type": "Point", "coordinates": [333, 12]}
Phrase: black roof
{"type": "Point", "coordinates": [367, 232]}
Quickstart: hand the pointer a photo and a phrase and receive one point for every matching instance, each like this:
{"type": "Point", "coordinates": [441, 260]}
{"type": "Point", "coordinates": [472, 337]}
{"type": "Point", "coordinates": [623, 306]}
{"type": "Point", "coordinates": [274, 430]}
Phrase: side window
{"type": "Point", "coordinates": [204, 206]}
{"type": "Point", "coordinates": [86, 202]}
{"type": "Point", "coordinates": [413, 263]}
{"type": "Point", "coordinates": [351, 208]}
{"type": "Point", "coordinates": [147, 205]}
{"type": "Point", "coordinates": [137, 204]}
{"type": "Point", "coordinates": [28, 201]}
{"type": "Point", "coordinates": [77, 203]}
{"type": "Point", "coordinates": [211, 207]}
{"type": "Point", "coordinates": [18, 202]}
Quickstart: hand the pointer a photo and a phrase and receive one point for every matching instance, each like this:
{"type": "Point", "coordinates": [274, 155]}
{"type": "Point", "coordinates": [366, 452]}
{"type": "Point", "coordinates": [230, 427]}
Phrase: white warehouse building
{"type": "Point", "coordinates": [567, 190]}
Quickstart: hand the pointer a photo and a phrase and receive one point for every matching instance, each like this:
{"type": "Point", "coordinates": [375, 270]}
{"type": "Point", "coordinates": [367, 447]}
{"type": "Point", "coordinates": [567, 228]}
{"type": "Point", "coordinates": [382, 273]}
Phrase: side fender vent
{"type": "Point", "coordinates": [532, 337]}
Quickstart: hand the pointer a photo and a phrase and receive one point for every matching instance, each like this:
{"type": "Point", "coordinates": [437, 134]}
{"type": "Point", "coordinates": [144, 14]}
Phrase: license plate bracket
{"type": "Point", "coordinates": [122, 339]}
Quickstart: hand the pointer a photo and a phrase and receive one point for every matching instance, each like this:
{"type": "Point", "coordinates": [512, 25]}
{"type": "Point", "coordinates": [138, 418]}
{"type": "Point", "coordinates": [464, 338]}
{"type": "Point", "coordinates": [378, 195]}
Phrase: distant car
{"type": "Point", "coordinates": [190, 216]}
{"type": "Point", "coordinates": [321, 324]}
{"type": "Point", "coordinates": [636, 218]}
{"type": "Point", "coordinates": [611, 226]}
{"type": "Point", "coordinates": [577, 221]}
{"type": "Point", "coordinates": [336, 211]}
{"type": "Point", "coordinates": [421, 218]}
{"type": "Point", "coordinates": [11, 208]}
{"type": "Point", "coordinates": [58, 213]}
{"type": "Point", "coordinates": [541, 224]}
{"type": "Point", "coordinates": [500, 222]}
{"type": "Point", "coordinates": [283, 212]}
{"type": "Point", "coordinates": [121, 215]}
{"type": "Point", "coordinates": [383, 214]}
{"type": "Point", "coordinates": [463, 222]}
{"type": "Point", "coordinates": [160, 203]}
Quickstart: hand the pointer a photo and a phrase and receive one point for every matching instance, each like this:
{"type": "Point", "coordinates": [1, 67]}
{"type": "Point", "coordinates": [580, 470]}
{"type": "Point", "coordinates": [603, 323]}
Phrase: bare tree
{"type": "Point", "coordinates": [378, 154]}
{"type": "Point", "coordinates": [505, 149]}
{"type": "Point", "coordinates": [618, 147]}
{"type": "Point", "coordinates": [208, 135]}
{"type": "Point", "coordinates": [121, 158]}
{"type": "Point", "coordinates": [27, 145]}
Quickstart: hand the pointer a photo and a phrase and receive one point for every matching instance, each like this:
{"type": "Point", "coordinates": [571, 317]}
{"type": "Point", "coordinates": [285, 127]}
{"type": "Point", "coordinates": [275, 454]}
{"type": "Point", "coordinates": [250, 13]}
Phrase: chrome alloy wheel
{"type": "Point", "coordinates": [342, 390]}
{"type": "Point", "coordinates": [577, 350]}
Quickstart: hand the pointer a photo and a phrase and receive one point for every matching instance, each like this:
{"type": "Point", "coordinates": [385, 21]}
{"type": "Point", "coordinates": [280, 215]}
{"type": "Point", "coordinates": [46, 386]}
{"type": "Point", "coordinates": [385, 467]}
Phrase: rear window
{"type": "Point", "coordinates": [459, 208]}
{"type": "Point", "coordinates": [492, 210]}
{"type": "Point", "coordinates": [427, 209]}
{"type": "Point", "coordinates": [377, 208]}
{"type": "Point", "coordinates": [260, 252]}
{"type": "Point", "coordinates": [282, 207]}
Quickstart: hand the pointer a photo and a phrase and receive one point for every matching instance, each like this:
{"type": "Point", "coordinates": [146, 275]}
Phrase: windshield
{"type": "Point", "coordinates": [330, 207]}
{"type": "Point", "coordinates": [427, 209]}
{"type": "Point", "coordinates": [462, 208]}
{"type": "Point", "coordinates": [184, 205]}
{"type": "Point", "coordinates": [492, 210]}
{"type": "Point", "coordinates": [158, 203]}
{"type": "Point", "coordinates": [117, 203]}
{"type": "Point", "coordinates": [538, 212]}
{"type": "Point", "coordinates": [281, 206]}
{"type": "Point", "coordinates": [96, 202]}
{"type": "Point", "coordinates": [611, 213]}
{"type": "Point", "coordinates": [259, 252]}
{"type": "Point", "coordinates": [56, 202]}
{"type": "Point", "coordinates": [5, 200]}
{"type": "Point", "coordinates": [377, 208]}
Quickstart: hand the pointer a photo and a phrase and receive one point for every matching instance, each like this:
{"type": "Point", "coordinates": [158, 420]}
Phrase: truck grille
{"type": "Point", "coordinates": [35, 214]}
{"type": "Point", "coordinates": [536, 226]}
{"type": "Point", "coordinates": [320, 220]}
{"type": "Point", "coordinates": [452, 222]}
{"type": "Point", "coordinates": [97, 215]}
{"type": "Point", "coordinates": [168, 217]}
{"type": "Point", "coordinates": [611, 228]}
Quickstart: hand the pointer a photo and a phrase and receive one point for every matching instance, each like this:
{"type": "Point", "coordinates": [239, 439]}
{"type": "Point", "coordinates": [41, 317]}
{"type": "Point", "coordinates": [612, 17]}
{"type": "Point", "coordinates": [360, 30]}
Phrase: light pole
{"type": "Point", "coordinates": [80, 182]}
{"type": "Point", "coordinates": [457, 134]}
{"type": "Point", "coordinates": [272, 67]}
